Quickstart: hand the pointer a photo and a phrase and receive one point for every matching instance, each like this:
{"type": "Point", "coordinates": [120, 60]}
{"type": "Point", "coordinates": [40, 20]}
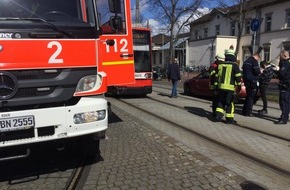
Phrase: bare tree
{"type": "Point", "coordinates": [174, 15]}
{"type": "Point", "coordinates": [236, 12]}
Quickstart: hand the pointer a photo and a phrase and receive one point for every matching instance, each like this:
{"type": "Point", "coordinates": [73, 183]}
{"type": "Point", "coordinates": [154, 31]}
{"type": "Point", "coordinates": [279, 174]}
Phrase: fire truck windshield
{"type": "Point", "coordinates": [71, 12]}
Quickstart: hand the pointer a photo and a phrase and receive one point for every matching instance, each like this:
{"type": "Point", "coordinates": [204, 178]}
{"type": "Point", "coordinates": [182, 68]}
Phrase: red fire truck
{"type": "Point", "coordinates": [143, 66]}
{"type": "Point", "coordinates": [56, 62]}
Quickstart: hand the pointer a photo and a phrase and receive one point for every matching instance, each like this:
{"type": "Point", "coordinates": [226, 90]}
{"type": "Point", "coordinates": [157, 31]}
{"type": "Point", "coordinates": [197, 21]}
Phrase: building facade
{"type": "Point", "coordinates": [217, 31]}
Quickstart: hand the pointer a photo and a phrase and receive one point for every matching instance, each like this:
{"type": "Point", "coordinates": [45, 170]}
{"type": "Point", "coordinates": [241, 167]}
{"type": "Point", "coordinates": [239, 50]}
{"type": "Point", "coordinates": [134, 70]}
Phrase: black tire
{"type": "Point", "coordinates": [237, 99]}
{"type": "Point", "coordinates": [83, 148]}
{"type": "Point", "coordinates": [186, 89]}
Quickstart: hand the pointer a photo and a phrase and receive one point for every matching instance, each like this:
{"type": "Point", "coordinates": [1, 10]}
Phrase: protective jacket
{"type": "Point", "coordinates": [228, 76]}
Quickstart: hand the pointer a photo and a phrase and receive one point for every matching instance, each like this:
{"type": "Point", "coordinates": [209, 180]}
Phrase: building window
{"type": "Point", "coordinates": [286, 46]}
{"type": "Point", "coordinates": [266, 53]}
{"type": "Point", "coordinates": [217, 30]}
{"type": "Point", "coordinates": [247, 26]}
{"type": "Point", "coordinates": [288, 18]}
{"type": "Point", "coordinates": [268, 22]}
{"type": "Point", "coordinates": [196, 34]}
{"type": "Point", "coordinates": [233, 28]}
{"type": "Point", "coordinates": [246, 53]}
{"type": "Point", "coordinates": [205, 33]}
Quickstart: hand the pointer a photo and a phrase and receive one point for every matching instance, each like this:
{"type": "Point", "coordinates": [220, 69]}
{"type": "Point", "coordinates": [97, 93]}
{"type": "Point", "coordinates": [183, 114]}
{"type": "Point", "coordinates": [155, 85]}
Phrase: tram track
{"type": "Point", "coordinates": [246, 126]}
{"type": "Point", "coordinates": [79, 174]}
{"type": "Point", "coordinates": [75, 178]}
{"type": "Point", "coordinates": [261, 161]}
{"type": "Point", "coordinates": [239, 125]}
{"type": "Point", "coordinates": [69, 160]}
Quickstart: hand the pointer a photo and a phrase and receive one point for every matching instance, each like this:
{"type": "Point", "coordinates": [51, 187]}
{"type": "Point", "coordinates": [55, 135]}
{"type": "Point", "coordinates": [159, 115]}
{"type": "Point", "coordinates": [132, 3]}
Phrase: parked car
{"type": "Point", "coordinates": [199, 86]}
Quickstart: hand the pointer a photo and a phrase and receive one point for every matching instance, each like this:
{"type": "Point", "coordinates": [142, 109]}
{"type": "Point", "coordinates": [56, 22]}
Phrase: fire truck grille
{"type": "Point", "coordinates": [21, 134]}
{"type": "Point", "coordinates": [41, 88]}
{"type": "Point", "coordinates": [31, 92]}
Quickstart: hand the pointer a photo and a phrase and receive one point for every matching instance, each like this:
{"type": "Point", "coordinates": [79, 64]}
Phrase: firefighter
{"type": "Point", "coordinates": [228, 77]}
{"type": "Point", "coordinates": [213, 83]}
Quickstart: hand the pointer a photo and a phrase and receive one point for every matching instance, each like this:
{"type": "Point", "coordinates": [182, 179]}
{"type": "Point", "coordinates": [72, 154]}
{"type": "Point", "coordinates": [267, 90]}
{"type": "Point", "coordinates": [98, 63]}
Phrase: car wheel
{"type": "Point", "coordinates": [186, 89]}
{"type": "Point", "coordinates": [236, 99]}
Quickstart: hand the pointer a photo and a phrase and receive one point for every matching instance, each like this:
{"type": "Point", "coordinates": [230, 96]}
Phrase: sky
{"type": "Point", "coordinates": [155, 25]}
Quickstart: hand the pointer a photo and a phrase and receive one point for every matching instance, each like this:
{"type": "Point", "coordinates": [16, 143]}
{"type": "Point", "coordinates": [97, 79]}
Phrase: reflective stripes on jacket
{"type": "Point", "coordinates": [228, 76]}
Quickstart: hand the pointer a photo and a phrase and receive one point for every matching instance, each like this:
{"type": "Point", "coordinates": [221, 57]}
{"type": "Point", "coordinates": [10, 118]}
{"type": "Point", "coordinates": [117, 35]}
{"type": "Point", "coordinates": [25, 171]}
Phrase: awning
{"type": "Point", "coordinates": [177, 43]}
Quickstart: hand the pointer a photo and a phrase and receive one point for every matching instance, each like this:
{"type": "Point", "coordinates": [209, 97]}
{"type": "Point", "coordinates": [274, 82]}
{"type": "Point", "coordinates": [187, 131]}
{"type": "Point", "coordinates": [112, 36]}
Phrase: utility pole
{"type": "Point", "coordinates": [137, 12]}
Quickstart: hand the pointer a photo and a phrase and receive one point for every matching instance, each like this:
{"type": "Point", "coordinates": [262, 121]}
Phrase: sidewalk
{"type": "Point", "coordinates": [198, 118]}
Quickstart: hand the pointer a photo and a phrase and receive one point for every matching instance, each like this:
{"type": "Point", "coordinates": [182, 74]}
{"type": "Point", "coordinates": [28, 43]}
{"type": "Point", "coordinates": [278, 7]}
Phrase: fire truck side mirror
{"type": "Point", "coordinates": [115, 6]}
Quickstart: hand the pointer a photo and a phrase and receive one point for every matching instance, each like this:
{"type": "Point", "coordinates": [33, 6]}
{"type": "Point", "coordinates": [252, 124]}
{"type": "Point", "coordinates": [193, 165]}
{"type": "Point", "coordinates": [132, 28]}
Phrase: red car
{"type": "Point", "coordinates": [199, 86]}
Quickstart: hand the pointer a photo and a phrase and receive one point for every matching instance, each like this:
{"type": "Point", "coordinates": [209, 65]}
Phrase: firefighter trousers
{"type": "Point", "coordinates": [225, 104]}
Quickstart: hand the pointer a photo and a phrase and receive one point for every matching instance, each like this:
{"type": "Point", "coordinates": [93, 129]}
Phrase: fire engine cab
{"type": "Point", "coordinates": [55, 65]}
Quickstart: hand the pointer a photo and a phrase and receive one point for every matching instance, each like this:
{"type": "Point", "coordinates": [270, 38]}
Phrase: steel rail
{"type": "Point", "coordinates": [215, 142]}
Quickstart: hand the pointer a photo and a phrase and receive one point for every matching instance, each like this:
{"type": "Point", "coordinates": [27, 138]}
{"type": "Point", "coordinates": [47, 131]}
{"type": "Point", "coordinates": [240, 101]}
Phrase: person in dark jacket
{"type": "Point", "coordinates": [264, 79]}
{"type": "Point", "coordinates": [251, 72]}
{"type": "Point", "coordinates": [173, 75]}
{"type": "Point", "coordinates": [284, 87]}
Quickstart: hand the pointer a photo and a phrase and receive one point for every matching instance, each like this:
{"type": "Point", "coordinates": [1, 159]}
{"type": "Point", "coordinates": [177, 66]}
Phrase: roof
{"type": "Point", "coordinates": [176, 44]}
{"type": "Point", "coordinates": [160, 39]}
{"type": "Point", "coordinates": [249, 5]}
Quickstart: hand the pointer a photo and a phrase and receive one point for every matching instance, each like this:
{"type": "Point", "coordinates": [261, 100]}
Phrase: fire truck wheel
{"type": "Point", "coordinates": [91, 150]}
{"type": "Point", "coordinates": [84, 148]}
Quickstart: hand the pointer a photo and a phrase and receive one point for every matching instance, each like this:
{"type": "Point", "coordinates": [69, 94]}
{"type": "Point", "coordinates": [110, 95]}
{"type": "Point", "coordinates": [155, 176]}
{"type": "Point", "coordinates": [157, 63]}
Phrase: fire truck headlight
{"type": "Point", "coordinates": [88, 117]}
{"type": "Point", "coordinates": [87, 83]}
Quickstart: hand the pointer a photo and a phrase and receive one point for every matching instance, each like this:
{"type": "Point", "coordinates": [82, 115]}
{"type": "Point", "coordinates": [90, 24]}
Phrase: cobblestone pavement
{"type": "Point", "coordinates": [137, 156]}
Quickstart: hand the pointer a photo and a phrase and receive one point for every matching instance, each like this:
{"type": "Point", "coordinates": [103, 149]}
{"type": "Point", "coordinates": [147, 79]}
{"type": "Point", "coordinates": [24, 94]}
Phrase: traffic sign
{"type": "Point", "coordinates": [255, 25]}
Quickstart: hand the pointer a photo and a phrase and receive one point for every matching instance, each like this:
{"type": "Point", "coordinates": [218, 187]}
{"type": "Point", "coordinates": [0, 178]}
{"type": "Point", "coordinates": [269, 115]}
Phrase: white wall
{"type": "Point", "coordinates": [199, 53]}
{"type": "Point", "coordinates": [223, 43]}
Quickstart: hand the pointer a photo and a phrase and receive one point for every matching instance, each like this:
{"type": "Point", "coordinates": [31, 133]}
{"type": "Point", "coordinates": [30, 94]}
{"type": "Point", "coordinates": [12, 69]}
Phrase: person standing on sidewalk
{"type": "Point", "coordinates": [264, 79]}
{"type": "Point", "coordinates": [284, 87]}
{"type": "Point", "coordinates": [251, 72]}
{"type": "Point", "coordinates": [173, 76]}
